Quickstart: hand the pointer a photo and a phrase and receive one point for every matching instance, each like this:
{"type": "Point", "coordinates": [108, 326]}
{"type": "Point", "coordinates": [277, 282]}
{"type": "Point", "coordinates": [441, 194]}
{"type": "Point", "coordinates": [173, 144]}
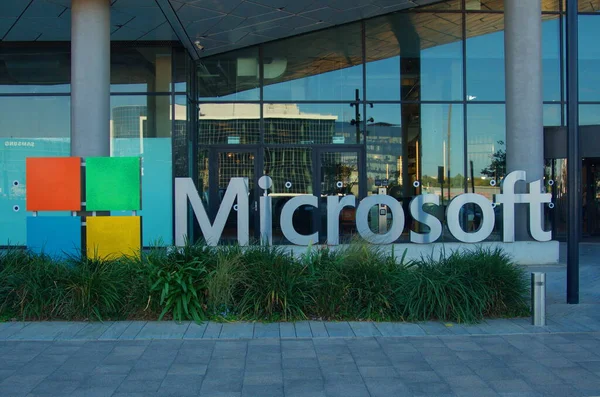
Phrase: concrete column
{"type": "Point", "coordinates": [90, 78]}
{"type": "Point", "coordinates": [524, 101]}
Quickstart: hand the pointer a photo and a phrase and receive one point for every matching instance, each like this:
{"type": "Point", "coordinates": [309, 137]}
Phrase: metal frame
{"type": "Point", "coordinates": [573, 154]}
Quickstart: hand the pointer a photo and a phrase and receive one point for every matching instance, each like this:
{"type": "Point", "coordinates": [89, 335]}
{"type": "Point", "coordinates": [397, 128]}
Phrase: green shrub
{"type": "Point", "coordinates": [275, 286]}
{"type": "Point", "coordinates": [177, 280]}
{"type": "Point", "coordinates": [355, 282]}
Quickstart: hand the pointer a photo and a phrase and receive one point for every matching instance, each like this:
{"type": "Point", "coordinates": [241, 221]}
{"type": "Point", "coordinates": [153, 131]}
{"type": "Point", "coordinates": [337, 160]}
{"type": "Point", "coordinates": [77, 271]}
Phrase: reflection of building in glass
{"type": "Point", "coordinates": [131, 121]}
{"type": "Point", "coordinates": [234, 123]}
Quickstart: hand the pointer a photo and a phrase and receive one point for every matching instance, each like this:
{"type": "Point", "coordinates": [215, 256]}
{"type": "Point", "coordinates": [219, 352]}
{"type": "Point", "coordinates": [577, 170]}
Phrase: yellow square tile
{"type": "Point", "coordinates": [113, 236]}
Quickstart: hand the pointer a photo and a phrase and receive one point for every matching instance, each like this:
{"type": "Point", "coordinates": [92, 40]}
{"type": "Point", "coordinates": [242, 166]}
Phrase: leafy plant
{"type": "Point", "coordinates": [177, 279]}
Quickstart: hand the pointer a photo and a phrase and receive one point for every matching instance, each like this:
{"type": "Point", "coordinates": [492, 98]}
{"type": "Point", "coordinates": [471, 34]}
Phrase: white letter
{"type": "Point", "coordinates": [334, 206]}
{"type": "Point", "coordinates": [435, 226]}
{"type": "Point", "coordinates": [536, 201]}
{"type": "Point", "coordinates": [362, 222]}
{"type": "Point", "coordinates": [453, 218]}
{"type": "Point", "coordinates": [508, 199]}
{"type": "Point", "coordinates": [185, 189]}
{"type": "Point", "coordinates": [287, 226]}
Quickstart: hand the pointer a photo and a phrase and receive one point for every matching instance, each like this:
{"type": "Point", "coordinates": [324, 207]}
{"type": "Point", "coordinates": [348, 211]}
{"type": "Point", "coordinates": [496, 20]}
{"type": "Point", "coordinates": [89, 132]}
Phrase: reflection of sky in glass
{"type": "Point", "coordinates": [589, 115]}
{"type": "Point", "coordinates": [589, 58]}
{"type": "Point", "coordinates": [30, 117]}
{"type": "Point", "coordinates": [486, 125]}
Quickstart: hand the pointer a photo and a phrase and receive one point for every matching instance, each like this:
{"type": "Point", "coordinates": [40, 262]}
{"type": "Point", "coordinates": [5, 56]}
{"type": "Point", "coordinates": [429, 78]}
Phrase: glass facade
{"type": "Point", "coordinates": [148, 118]}
{"type": "Point", "coordinates": [412, 101]}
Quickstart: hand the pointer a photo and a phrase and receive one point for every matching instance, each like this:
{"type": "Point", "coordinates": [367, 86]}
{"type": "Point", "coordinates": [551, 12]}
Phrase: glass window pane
{"type": "Point", "coordinates": [141, 126]}
{"type": "Point", "coordinates": [384, 148]}
{"type": "Point", "coordinates": [551, 57]}
{"type": "Point", "coordinates": [486, 149]}
{"type": "Point", "coordinates": [448, 5]}
{"type": "Point", "coordinates": [485, 57]}
{"type": "Point", "coordinates": [414, 56]}
{"type": "Point", "coordinates": [325, 65]}
{"type": "Point", "coordinates": [589, 5]}
{"type": "Point", "coordinates": [308, 124]}
{"type": "Point", "coordinates": [29, 127]}
{"type": "Point", "coordinates": [140, 69]}
{"type": "Point", "coordinates": [181, 137]}
{"type": "Point", "coordinates": [589, 58]}
{"type": "Point", "coordinates": [498, 5]}
{"type": "Point", "coordinates": [292, 172]}
{"type": "Point", "coordinates": [552, 116]}
{"type": "Point", "coordinates": [228, 123]}
{"type": "Point", "coordinates": [36, 69]}
{"type": "Point", "coordinates": [183, 65]}
{"type": "Point", "coordinates": [442, 150]}
{"type": "Point", "coordinates": [589, 114]}
{"type": "Point", "coordinates": [231, 76]}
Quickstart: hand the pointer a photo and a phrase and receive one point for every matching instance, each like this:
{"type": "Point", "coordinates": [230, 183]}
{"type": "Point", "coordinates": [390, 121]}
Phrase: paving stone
{"type": "Point", "coordinates": [195, 331]}
{"type": "Point", "coordinates": [266, 330]}
{"type": "Point", "coordinates": [364, 329]}
{"type": "Point", "coordinates": [386, 387]}
{"type": "Point", "coordinates": [510, 386]}
{"type": "Point", "coordinates": [378, 372]}
{"type": "Point", "coordinates": [213, 330]}
{"type": "Point", "coordinates": [302, 329]}
{"type": "Point", "coordinates": [132, 330]}
{"type": "Point", "coordinates": [339, 329]}
{"type": "Point", "coordinates": [162, 330]}
{"type": "Point", "coordinates": [115, 330]}
{"type": "Point", "coordinates": [237, 331]}
{"type": "Point", "coordinates": [318, 329]}
{"type": "Point", "coordinates": [346, 389]}
{"type": "Point", "coordinates": [399, 329]}
{"type": "Point", "coordinates": [262, 391]}
{"type": "Point", "coordinates": [287, 330]}
{"type": "Point", "coordinates": [56, 387]}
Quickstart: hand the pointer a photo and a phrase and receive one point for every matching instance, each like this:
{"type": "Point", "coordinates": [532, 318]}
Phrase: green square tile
{"type": "Point", "coordinates": [112, 183]}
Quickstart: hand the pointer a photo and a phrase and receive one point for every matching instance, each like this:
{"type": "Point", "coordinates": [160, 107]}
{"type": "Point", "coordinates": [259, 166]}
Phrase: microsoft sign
{"type": "Point", "coordinates": [185, 192]}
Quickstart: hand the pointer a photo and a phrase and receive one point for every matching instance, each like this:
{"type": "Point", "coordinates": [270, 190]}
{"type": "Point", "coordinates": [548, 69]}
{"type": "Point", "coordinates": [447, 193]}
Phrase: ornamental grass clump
{"type": "Point", "coordinates": [275, 286]}
{"type": "Point", "coordinates": [226, 274]}
{"type": "Point", "coordinates": [32, 286]}
{"type": "Point", "coordinates": [358, 281]}
{"type": "Point", "coordinates": [258, 283]}
{"type": "Point", "coordinates": [102, 289]}
{"type": "Point", "coordinates": [464, 286]}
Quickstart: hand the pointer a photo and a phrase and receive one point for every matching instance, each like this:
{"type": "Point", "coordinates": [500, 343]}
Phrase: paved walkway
{"type": "Point", "coordinates": [478, 366]}
{"type": "Point", "coordinates": [505, 357]}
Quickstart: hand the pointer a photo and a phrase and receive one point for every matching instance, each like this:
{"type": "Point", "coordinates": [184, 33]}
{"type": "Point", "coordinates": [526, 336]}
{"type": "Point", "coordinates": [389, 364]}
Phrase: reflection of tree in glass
{"type": "Point", "coordinates": [348, 173]}
{"type": "Point", "coordinates": [497, 168]}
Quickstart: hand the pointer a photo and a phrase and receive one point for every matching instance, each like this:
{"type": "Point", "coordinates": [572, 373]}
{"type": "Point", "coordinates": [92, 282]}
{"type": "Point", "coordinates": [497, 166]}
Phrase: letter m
{"type": "Point", "coordinates": [186, 190]}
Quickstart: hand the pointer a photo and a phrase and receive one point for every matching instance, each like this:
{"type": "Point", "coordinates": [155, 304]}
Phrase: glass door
{"type": "Point", "coordinates": [339, 172]}
{"type": "Point", "coordinates": [227, 163]}
{"type": "Point", "coordinates": [591, 197]}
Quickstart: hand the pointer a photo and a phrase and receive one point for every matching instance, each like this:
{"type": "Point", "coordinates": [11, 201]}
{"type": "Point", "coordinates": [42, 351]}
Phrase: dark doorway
{"type": "Point", "coordinates": [590, 199]}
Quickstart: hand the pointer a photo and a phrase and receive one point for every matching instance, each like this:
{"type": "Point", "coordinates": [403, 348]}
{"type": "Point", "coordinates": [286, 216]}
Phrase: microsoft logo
{"type": "Point", "coordinates": [70, 202]}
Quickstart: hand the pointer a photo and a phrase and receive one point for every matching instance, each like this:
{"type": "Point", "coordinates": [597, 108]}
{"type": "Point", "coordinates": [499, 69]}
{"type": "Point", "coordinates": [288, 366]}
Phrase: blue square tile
{"type": "Point", "coordinates": [56, 236]}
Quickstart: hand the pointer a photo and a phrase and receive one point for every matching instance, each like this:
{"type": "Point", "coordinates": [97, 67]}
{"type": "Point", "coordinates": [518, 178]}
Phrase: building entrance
{"type": "Point", "coordinates": [591, 196]}
{"type": "Point", "coordinates": [321, 171]}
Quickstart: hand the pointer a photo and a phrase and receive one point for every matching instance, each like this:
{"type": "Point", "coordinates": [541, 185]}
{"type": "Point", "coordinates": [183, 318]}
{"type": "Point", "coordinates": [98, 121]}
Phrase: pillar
{"type": "Point", "coordinates": [90, 78]}
{"type": "Point", "coordinates": [524, 101]}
